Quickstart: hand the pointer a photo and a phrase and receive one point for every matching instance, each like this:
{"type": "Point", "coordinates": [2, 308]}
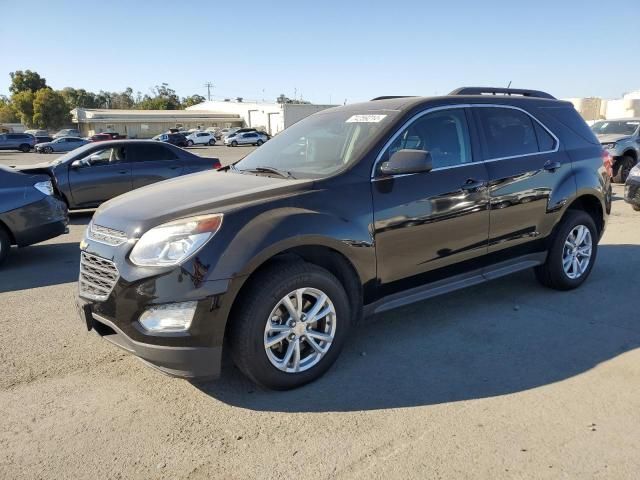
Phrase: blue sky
{"type": "Point", "coordinates": [325, 50]}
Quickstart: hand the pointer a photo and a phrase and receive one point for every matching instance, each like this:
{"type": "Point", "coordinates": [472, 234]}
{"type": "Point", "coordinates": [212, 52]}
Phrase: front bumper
{"type": "Point", "coordinates": [632, 191]}
{"type": "Point", "coordinates": [194, 353]}
{"type": "Point", "coordinates": [177, 361]}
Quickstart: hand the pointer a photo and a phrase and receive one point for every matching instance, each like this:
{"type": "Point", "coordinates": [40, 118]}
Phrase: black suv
{"type": "Point", "coordinates": [352, 211]}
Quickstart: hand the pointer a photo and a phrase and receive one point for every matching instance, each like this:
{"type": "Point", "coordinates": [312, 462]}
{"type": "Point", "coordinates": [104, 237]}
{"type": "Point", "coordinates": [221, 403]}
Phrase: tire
{"type": "Point", "coordinates": [212, 142]}
{"type": "Point", "coordinates": [636, 208]}
{"type": "Point", "coordinates": [260, 142]}
{"type": "Point", "coordinates": [234, 144]}
{"type": "Point", "coordinates": [24, 148]}
{"type": "Point", "coordinates": [5, 244]}
{"type": "Point", "coordinates": [262, 302]}
{"type": "Point", "coordinates": [190, 143]}
{"type": "Point", "coordinates": [552, 273]}
{"type": "Point", "coordinates": [622, 168]}
{"type": "Point", "coordinates": [47, 150]}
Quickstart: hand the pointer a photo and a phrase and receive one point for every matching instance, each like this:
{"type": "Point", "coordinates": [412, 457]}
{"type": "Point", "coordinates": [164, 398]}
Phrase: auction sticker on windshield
{"type": "Point", "coordinates": [365, 118]}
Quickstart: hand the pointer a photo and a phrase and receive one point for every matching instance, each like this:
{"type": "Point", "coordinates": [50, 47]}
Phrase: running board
{"type": "Point", "coordinates": [454, 283]}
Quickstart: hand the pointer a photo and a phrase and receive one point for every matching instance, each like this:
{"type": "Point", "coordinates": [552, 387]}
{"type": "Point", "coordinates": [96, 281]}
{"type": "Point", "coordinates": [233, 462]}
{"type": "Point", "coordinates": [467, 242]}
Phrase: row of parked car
{"type": "Point", "coordinates": [231, 137]}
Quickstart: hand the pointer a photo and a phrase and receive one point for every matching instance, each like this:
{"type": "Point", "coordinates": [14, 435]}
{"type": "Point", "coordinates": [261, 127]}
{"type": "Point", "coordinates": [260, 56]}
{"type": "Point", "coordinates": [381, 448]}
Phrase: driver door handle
{"type": "Point", "coordinates": [122, 172]}
{"type": "Point", "coordinates": [472, 185]}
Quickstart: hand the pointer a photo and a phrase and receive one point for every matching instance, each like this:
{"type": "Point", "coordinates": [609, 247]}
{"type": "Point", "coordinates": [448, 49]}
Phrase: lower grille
{"type": "Point", "coordinates": [98, 276]}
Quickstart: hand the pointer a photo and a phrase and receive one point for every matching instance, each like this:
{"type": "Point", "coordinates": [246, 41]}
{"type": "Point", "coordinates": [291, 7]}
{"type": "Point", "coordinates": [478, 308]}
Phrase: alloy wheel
{"type": "Point", "coordinates": [300, 330]}
{"type": "Point", "coordinates": [576, 254]}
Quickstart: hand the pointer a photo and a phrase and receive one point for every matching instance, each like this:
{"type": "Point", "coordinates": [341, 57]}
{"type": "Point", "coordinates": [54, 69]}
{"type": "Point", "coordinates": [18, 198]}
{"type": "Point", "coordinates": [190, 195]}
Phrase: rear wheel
{"type": "Point", "coordinates": [572, 253]}
{"type": "Point", "coordinates": [212, 142]}
{"type": "Point", "coordinates": [24, 148]}
{"type": "Point", "coordinates": [290, 325]}
{"type": "Point", "coordinates": [622, 168]}
{"type": "Point", "coordinates": [5, 244]}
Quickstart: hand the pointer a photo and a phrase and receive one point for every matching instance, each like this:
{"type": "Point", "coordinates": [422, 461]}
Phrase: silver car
{"type": "Point", "coordinates": [246, 138]}
{"type": "Point", "coordinates": [63, 144]}
{"type": "Point", "coordinates": [621, 138]}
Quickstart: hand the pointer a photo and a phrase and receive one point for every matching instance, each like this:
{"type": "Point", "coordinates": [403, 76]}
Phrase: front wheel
{"type": "Point", "coordinates": [572, 253]}
{"type": "Point", "coordinates": [234, 144]}
{"type": "Point", "coordinates": [47, 150]}
{"type": "Point", "coordinates": [190, 143]}
{"type": "Point", "coordinates": [622, 168]}
{"type": "Point", "coordinates": [290, 325]}
{"type": "Point", "coordinates": [260, 142]}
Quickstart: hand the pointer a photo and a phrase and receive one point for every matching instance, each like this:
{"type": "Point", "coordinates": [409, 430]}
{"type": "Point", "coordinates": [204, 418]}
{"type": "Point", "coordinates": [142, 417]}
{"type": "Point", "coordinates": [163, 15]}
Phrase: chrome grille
{"type": "Point", "coordinates": [106, 235]}
{"type": "Point", "coordinates": [98, 276]}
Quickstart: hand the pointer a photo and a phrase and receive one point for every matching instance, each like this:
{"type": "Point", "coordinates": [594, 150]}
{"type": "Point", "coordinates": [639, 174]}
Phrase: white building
{"type": "Point", "coordinates": [626, 107]}
{"type": "Point", "coordinates": [271, 117]}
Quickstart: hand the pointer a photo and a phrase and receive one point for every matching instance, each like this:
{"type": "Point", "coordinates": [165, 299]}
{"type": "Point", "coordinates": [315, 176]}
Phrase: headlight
{"type": "Point", "coordinates": [635, 172]}
{"type": "Point", "coordinates": [172, 243]}
{"type": "Point", "coordinates": [608, 146]}
{"type": "Point", "coordinates": [44, 187]}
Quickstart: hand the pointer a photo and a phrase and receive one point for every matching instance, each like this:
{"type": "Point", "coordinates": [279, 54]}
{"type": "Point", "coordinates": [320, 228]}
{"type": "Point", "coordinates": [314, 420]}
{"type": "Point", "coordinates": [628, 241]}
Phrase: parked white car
{"type": "Point", "coordinates": [246, 138]}
{"type": "Point", "coordinates": [200, 138]}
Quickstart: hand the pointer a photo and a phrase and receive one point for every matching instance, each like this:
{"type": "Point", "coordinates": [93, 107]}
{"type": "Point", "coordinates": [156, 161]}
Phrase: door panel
{"type": "Point", "coordinates": [108, 176]}
{"type": "Point", "coordinates": [529, 168]}
{"type": "Point", "coordinates": [426, 221]}
{"type": "Point", "coordinates": [153, 163]}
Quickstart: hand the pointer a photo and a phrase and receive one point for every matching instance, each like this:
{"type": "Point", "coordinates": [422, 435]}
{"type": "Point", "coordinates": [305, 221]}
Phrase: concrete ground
{"type": "Point", "coordinates": [502, 380]}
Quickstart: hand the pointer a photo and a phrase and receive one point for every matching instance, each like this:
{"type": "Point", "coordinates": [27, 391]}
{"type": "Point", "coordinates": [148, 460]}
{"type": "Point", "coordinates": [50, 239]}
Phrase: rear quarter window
{"type": "Point", "coordinates": [570, 118]}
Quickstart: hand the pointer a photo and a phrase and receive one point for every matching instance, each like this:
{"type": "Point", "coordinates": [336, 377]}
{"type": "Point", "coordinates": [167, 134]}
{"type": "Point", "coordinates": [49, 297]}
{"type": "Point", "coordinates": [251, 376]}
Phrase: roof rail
{"type": "Point", "coordinates": [501, 91]}
{"type": "Point", "coordinates": [389, 97]}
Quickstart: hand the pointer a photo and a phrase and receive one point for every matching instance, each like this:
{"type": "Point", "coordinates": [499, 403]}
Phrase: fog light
{"type": "Point", "coordinates": [173, 317]}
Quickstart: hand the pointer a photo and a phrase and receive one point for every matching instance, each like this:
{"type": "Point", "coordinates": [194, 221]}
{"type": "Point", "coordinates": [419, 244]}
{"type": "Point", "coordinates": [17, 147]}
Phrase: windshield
{"type": "Point", "coordinates": [626, 127]}
{"type": "Point", "coordinates": [320, 144]}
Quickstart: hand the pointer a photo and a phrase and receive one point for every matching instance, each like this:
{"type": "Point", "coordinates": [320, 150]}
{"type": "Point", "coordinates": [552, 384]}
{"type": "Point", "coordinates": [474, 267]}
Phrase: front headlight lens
{"type": "Point", "coordinates": [172, 243]}
{"type": "Point", "coordinates": [635, 171]}
{"type": "Point", "coordinates": [44, 187]}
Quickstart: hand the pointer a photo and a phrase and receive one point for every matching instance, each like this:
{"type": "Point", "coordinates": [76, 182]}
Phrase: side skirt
{"type": "Point", "coordinates": [454, 283]}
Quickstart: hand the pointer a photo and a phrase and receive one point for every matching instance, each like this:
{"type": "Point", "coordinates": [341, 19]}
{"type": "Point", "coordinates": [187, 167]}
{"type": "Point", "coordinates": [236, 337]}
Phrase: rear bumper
{"type": "Point", "coordinates": [37, 221]}
{"type": "Point", "coordinates": [177, 361]}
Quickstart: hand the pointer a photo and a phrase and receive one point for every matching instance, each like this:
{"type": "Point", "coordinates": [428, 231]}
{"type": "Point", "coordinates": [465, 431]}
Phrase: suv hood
{"type": "Point", "coordinates": [611, 137]}
{"type": "Point", "coordinates": [199, 193]}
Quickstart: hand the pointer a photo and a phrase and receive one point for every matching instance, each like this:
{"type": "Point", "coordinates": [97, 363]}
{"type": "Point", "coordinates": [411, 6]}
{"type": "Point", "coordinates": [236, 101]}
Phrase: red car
{"type": "Point", "coordinates": [101, 137]}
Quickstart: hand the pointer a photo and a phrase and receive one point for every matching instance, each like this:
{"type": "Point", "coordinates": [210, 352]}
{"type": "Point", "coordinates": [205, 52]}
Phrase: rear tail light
{"type": "Point", "coordinates": [216, 165]}
{"type": "Point", "coordinates": [607, 161]}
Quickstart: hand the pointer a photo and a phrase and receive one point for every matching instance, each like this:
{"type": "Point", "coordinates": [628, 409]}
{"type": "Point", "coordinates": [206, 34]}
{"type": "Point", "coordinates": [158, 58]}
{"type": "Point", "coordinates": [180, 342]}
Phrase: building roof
{"type": "Point", "coordinates": [84, 115]}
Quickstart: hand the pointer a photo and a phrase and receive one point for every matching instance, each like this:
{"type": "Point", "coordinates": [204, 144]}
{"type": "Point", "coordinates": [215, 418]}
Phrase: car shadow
{"type": "Point", "coordinates": [499, 338]}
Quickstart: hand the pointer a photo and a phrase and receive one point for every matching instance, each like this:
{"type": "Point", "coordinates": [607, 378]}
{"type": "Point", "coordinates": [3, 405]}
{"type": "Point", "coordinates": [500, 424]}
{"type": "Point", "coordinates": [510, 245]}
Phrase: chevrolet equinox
{"type": "Point", "coordinates": [352, 211]}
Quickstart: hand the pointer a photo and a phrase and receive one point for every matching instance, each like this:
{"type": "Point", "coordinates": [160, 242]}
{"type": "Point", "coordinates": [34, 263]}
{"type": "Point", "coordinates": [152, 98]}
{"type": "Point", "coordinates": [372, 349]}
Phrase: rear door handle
{"type": "Point", "coordinates": [472, 185]}
{"type": "Point", "coordinates": [123, 172]}
{"type": "Point", "coordinates": [552, 166]}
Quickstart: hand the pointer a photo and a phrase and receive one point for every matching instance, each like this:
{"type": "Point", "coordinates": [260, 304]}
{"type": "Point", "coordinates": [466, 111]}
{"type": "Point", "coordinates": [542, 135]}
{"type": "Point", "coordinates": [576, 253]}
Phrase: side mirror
{"type": "Point", "coordinates": [407, 161]}
{"type": "Point", "coordinates": [83, 162]}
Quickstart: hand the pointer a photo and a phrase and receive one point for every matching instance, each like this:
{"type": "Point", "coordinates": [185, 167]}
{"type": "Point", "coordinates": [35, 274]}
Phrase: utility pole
{"type": "Point", "coordinates": [209, 86]}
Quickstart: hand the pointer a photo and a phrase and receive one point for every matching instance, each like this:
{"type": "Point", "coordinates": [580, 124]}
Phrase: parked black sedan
{"type": "Point", "coordinates": [29, 212]}
{"type": "Point", "coordinates": [632, 188]}
{"type": "Point", "coordinates": [96, 172]}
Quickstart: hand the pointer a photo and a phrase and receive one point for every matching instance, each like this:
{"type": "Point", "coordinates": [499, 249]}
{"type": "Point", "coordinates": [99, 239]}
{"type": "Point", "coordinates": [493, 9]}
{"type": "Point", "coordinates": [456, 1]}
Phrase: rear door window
{"type": "Point", "coordinates": [507, 132]}
{"type": "Point", "coordinates": [150, 152]}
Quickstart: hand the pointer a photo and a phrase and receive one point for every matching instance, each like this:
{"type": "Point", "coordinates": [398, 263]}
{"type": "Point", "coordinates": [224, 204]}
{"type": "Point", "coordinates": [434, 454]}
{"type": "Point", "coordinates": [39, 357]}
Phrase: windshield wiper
{"type": "Point", "coordinates": [282, 173]}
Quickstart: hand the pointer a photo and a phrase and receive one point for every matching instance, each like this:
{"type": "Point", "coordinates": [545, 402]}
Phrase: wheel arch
{"type": "Point", "coordinates": [12, 238]}
{"type": "Point", "coordinates": [591, 204]}
{"type": "Point", "coordinates": [630, 152]}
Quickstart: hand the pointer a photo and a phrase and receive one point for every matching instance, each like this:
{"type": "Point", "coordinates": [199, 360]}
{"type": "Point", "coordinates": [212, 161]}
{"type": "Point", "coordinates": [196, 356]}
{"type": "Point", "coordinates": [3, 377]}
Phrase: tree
{"type": "Point", "coordinates": [7, 112]}
{"type": "Point", "coordinates": [22, 81]}
{"type": "Point", "coordinates": [23, 105]}
{"type": "Point", "coordinates": [123, 100]}
{"type": "Point", "coordinates": [192, 100]}
{"type": "Point", "coordinates": [79, 98]}
{"type": "Point", "coordinates": [50, 110]}
{"type": "Point", "coordinates": [164, 98]}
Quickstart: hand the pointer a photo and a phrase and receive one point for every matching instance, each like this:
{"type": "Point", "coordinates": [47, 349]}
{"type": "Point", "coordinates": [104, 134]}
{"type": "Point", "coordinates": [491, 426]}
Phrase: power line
{"type": "Point", "coordinates": [209, 86]}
